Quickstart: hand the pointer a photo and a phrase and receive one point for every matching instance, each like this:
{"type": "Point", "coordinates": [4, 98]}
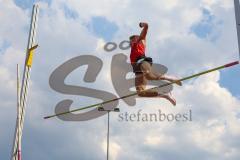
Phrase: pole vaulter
{"type": "Point", "coordinates": [22, 94]}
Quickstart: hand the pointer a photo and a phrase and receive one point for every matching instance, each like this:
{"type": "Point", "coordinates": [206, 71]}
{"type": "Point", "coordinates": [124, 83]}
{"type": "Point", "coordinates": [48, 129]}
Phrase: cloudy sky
{"type": "Point", "coordinates": [187, 36]}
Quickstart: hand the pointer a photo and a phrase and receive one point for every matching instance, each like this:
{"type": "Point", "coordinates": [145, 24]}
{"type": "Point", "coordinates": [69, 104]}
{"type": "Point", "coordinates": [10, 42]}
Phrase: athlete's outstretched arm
{"type": "Point", "coordinates": [144, 31]}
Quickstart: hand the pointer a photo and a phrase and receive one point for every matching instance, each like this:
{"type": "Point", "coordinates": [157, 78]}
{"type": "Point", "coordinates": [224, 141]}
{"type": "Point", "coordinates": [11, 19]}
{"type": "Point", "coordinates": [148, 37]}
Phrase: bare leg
{"type": "Point", "coordinates": [146, 68]}
{"type": "Point", "coordinates": [140, 83]}
{"type": "Point", "coordinates": [148, 93]}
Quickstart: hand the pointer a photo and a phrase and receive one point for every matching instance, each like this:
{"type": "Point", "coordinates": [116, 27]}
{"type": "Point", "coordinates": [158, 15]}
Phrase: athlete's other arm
{"type": "Point", "coordinates": [144, 31]}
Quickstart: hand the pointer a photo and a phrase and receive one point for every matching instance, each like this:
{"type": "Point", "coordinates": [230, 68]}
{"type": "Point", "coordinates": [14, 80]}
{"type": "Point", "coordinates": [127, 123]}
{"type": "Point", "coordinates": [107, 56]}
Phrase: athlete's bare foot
{"type": "Point", "coordinates": [178, 82]}
{"type": "Point", "coordinates": [169, 97]}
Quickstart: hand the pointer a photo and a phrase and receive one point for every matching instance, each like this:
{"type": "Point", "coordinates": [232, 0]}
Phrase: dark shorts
{"type": "Point", "coordinates": [137, 66]}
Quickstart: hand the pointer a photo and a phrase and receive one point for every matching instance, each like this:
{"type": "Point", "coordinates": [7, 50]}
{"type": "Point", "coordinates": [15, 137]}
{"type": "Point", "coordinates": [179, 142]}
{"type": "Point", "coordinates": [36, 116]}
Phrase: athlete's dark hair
{"type": "Point", "coordinates": [131, 37]}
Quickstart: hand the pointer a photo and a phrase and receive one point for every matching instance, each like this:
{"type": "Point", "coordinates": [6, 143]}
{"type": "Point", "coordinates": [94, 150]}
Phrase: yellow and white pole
{"type": "Point", "coordinates": [25, 83]}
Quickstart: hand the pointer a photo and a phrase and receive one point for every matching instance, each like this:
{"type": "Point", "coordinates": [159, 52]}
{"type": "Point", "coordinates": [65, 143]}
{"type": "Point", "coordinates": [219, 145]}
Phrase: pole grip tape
{"type": "Point", "coordinates": [232, 64]}
{"type": "Point", "coordinates": [30, 55]}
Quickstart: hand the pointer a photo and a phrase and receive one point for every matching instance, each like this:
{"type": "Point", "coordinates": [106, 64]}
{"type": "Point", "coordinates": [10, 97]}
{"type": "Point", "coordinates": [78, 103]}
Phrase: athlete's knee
{"type": "Point", "coordinates": [147, 93]}
{"type": "Point", "coordinates": [139, 90]}
{"type": "Point", "coordinates": [142, 93]}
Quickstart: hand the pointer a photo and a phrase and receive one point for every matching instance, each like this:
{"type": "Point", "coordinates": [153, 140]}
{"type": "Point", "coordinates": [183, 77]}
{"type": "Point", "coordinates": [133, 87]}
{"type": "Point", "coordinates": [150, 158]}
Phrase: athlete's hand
{"type": "Point", "coordinates": [143, 24]}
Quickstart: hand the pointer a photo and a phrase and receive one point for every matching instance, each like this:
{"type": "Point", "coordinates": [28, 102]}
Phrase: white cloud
{"type": "Point", "coordinates": [156, 140]}
{"type": "Point", "coordinates": [114, 149]}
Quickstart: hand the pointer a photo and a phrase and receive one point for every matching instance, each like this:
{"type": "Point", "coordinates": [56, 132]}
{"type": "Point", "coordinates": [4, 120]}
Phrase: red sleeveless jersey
{"type": "Point", "coordinates": [137, 50]}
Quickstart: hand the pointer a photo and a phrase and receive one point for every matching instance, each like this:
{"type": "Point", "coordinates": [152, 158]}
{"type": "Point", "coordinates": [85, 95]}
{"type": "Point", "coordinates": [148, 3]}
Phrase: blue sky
{"type": "Point", "coordinates": [98, 25]}
{"type": "Point", "coordinates": [27, 4]}
{"type": "Point", "coordinates": [4, 46]}
{"type": "Point", "coordinates": [228, 78]}
{"type": "Point", "coordinates": [205, 26]}
{"type": "Point", "coordinates": [103, 28]}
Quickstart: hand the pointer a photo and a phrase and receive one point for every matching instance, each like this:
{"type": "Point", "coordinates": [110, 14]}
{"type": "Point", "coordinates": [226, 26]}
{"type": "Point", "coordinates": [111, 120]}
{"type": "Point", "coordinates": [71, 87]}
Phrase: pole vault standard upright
{"type": "Point", "coordinates": [237, 15]}
{"type": "Point", "coordinates": [22, 94]}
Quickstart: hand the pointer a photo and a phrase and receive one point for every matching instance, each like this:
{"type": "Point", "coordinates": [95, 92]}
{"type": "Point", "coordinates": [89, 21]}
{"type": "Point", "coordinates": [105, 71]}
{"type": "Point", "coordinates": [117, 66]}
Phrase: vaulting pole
{"type": "Point", "coordinates": [16, 150]}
